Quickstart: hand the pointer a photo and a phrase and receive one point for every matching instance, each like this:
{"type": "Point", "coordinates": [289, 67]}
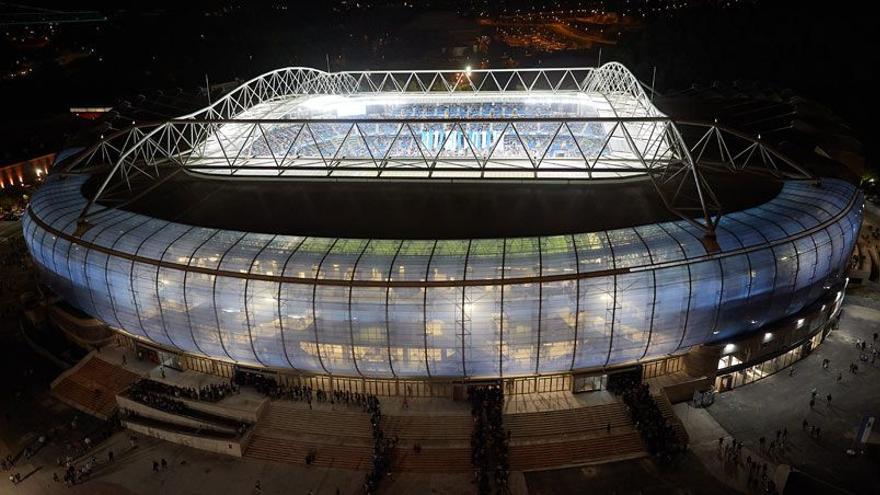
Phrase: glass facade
{"type": "Point", "coordinates": [450, 308]}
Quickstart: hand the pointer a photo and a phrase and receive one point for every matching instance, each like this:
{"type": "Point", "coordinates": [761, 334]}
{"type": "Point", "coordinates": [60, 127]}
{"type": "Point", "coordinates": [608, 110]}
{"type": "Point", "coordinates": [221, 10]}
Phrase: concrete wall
{"type": "Point", "coordinates": [684, 391]}
{"type": "Point", "coordinates": [243, 415]}
{"type": "Point", "coordinates": [175, 419]}
{"type": "Point", "coordinates": [216, 445]}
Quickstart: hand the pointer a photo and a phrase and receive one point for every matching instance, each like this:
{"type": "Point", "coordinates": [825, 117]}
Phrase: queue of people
{"type": "Point", "coordinates": [208, 393]}
{"type": "Point", "coordinates": [382, 447]}
{"type": "Point", "coordinates": [143, 392]}
{"type": "Point", "coordinates": [270, 387]}
{"type": "Point", "coordinates": [489, 449]}
{"type": "Point", "coordinates": [659, 436]}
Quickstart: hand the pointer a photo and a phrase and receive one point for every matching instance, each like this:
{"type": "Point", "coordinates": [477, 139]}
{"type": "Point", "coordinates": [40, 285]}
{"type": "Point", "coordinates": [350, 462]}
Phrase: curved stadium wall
{"type": "Point", "coordinates": [446, 308]}
{"type": "Point", "coordinates": [415, 308]}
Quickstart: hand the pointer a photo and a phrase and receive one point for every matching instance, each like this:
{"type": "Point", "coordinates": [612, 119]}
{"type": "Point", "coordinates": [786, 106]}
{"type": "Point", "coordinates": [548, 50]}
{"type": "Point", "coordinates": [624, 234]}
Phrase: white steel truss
{"type": "Point", "coordinates": [631, 138]}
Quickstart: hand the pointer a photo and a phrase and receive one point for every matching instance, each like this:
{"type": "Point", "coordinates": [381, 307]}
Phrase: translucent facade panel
{"type": "Point", "coordinates": [817, 206]}
{"type": "Point", "coordinates": [628, 248]}
{"type": "Point", "coordinates": [202, 301]}
{"type": "Point", "coordinates": [521, 328]}
{"type": "Point", "coordinates": [558, 320]}
{"type": "Point", "coordinates": [786, 271]}
{"type": "Point", "coordinates": [232, 320]}
{"type": "Point", "coordinates": [595, 321]}
{"type": "Point", "coordinates": [265, 329]}
{"type": "Point", "coordinates": [147, 283]}
{"type": "Point", "coordinates": [45, 241]}
{"type": "Point", "coordinates": [448, 261]}
{"type": "Point", "coordinates": [806, 272]}
{"type": "Point", "coordinates": [670, 309]}
{"type": "Point", "coordinates": [558, 304]}
{"type": "Point", "coordinates": [824, 256]}
{"type": "Point", "coordinates": [172, 287]}
{"type": "Point", "coordinates": [231, 297]}
{"type": "Point", "coordinates": [339, 264]}
{"type": "Point", "coordinates": [333, 328]}
{"type": "Point", "coordinates": [521, 324]}
{"type": "Point", "coordinates": [306, 259]}
{"type": "Point", "coordinates": [240, 257]}
{"type": "Point", "coordinates": [121, 296]}
{"type": "Point", "coordinates": [144, 281]}
{"type": "Point", "coordinates": [558, 256]}
{"type": "Point", "coordinates": [632, 325]}
{"type": "Point", "coordinates": [76, 270]}
{"type": "Point", "coordinates": [734, 295]}
{"type": "Point", "coordinates": [271, 260]}
{"type": "Point", "coordinates": [705, 293]}
{"type": "Point", "coordinates": [411, 264]}
{"type": "Point", "coordinates": [522, 258]}
{"type": "Point", "coordinates": [96, 271]}
{"type": "Point", "coordinates": [482, 330]}
{"type": "Point", "coordinates": [333, 318]}
{"type": "Point", "coordinates": [840, 253]}
{"type": "Point", "coordinates": [199, 290]}
{"type": "Point", "coordinates": [727, 238]}
{"type": "Point", "coordinates": [369, 331]}
{"type": "Point", "coordinates": [298, 326]}
{"type": "Point", "coordinates": [660, 244]}
{"type": "Point", "coordinates": [593, 252]}
{"type": "Point", "coordinates": [406, 328]}
{"type": "Point", "coordinates": [375, 262]}
{"type": "Point", "coordinates": [486, 260]}
{"type": "Point", "coordinates": [763, 278]}
{"type": "Point", "coordinates": [444, 311]}
{"type": "Point", "coordinates": [790, 224]}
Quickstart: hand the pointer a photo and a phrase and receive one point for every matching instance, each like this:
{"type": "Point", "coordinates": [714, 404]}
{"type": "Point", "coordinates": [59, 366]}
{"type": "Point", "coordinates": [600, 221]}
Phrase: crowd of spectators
{"type": "Point", "coordinates": [269, 386]}
{"type": "Point", "coordinates": [145, 392]}
{"type": "Point", "coordinates": [460, 141]}
{"type": "Point", "coordinates": [382, 447]}
{"type": "Point", "coordinates": [489, 449]}
{"type": "Point", "coordinates": [659, 436]}
{"type": "Point", "coordinates": [208, 393]}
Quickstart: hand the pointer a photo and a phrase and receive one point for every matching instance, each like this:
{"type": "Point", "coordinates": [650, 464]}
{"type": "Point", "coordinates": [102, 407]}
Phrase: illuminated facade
{"type": "Point", "coordinates": [473, 308]}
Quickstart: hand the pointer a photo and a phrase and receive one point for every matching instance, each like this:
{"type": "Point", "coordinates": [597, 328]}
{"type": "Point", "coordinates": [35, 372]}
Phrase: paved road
{"type": "Point", "coordinates": [781, 400]}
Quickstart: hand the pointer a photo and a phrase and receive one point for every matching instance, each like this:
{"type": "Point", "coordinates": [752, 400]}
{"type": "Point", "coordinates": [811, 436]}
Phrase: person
{"type": "Point", "coordinates": [164, 464]}
{"type": "Point", "coordinates": [812, 403]}
{"type": "Point", "coordinates": [124, 360]}
{"type": "Point", "coordinates": [155, 467]}
{"type": "Point", "coordinates": [839, 377]}
{"type": "Point", "coordinates": [829, 399]}
{"type": "Point", "coordinates": [109, 456]}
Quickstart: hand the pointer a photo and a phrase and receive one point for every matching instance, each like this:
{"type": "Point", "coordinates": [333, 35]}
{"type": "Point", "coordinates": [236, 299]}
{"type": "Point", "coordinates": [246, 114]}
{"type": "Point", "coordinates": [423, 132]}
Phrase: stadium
{"type": "Point", "coordinates": [444, 227]}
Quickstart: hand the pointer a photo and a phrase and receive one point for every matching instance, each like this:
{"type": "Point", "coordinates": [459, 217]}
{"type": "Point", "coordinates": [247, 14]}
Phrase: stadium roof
{"type": "Point", "coordinates": [583, 127]}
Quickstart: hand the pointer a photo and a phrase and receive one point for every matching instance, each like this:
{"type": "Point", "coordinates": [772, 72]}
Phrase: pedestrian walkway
{"type": "Point", "coordinates": [783, 401]}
